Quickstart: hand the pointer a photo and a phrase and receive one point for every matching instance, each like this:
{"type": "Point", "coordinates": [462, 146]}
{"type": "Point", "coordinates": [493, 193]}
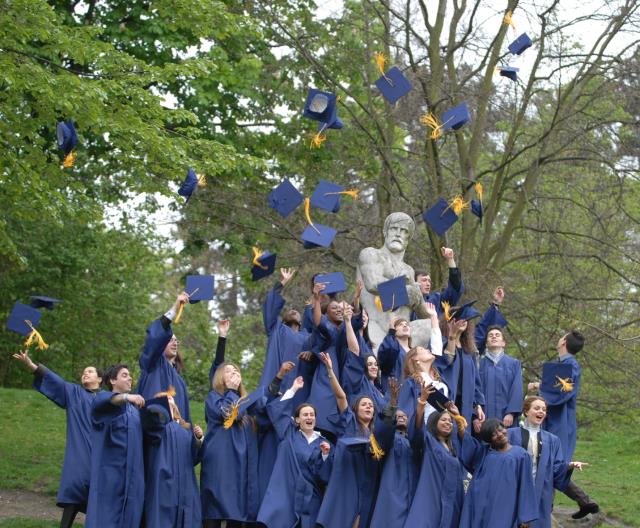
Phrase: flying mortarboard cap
{"type": "Point", "coordinates": [321, 106]}
{"type": "Point", "coordinates": [200, 288]}
{"type": "Point", "coordinates": [476, 208]}
{"type": "Point", "coordinates": [440, 217]}
{"type": "Point", "coordinates": [154, 410]}
{"type": "Point", "coordinates": [455, 117]}
{"type": "Point", "coordinates": [552, 373]}
{"type": "Point", "coordinates": [466, 312]}
{"type": "Point", "coordinates": [325, 196]}
{"type": "Point", "coordinates": [285, 198]}
{"type": "Point", "coordinates": [66, 136]}
{"type": "Point", "coordinates": [189, 185]}
{"type": "Point", "coordinates": [320, 236]}
{"type": "Point", "coordinates": [393, 293]}
{"type": "Point", "coordinates": [263, 264]}
{"type": "Point", "coordinates": [334, 282]}
{"type": "Point", "coordinates": [510, 72]}
{"type": "Point", "coordinates": [20, 314]}
{"type": "Point", "coordinates": [393, 85]}
{"type": "Point", "coordinates": [40, 301]}
{"type": "Point", "coordinates": [520, 44]}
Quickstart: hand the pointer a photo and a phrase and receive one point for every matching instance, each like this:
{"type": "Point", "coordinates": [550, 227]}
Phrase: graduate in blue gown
{"type": "Point", "coordinates": [501, 378]}
{"type": "Point", "coordinates": [439, 495]}
{"type": "Point", "coordinates": [116, 491]}
{"type": "Point", "coordinates": [172, 449]}
{"type": "Point", "coordinates": [561, 415]}
{"type": "Point", "coordinates": [458, 365]}
{"type": "Point", "coordinates": [550, 471]}
{"type": "Point", "coordinates": [229, 488]}
{"type": "Point", "coordinates": [302, 466]}
{"type": "Point", "coordinates": [501, 492]}
{"type": "Point", "coordinates": [161, 361]}
{"type": "Point", "coordinates": [73, 491]}
{"type": "Point", "coordinates": [363, 440]}
{"type": "Point", "coordinates": [491, 317]}
{"type": "Point", "coordinates": [451, 294]}
{"type": "Point", "coordinates": [393, 349]}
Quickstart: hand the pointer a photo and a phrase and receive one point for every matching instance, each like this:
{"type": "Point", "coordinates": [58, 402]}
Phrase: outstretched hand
{"type": "Point", "coordinates": [182, 298]}
{"type": "Point", "coordinates": [285, 368]}
{"type": "Point", "coordinates": [136, 399]}
{"type": "Point", "coordinates": [197, 431]}
{"type": "Point", "coordinates": [578, 465]}
{"type": "Point", "coordinates": [359, 288]}
{"type": "Point", "coordinates": [305, 356]}
{"type": "Point", "coordinates": [223, 327]}
{"type": "Point", "coordinates": [326, 359]}
{"type": "Point", "coordinates": [23, 357]}
{"type": "Point", "coordinates": [447, 253]}
{"type": "Point", "coordinates": [430, 309]}
{"type": "Point", "coordinates": [498, 295]}
{"type": "Point", "coordinates": [394, 391]}
{"type": "Point", "coordinates": [317, 289]}
{"type": "Point", "coordinates": [298, 383]}
{"type": "Point", "coordinates": [286, 274]}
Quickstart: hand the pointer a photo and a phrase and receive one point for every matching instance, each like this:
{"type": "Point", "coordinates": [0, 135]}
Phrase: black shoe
{"type": "Point", "coordinates": [590, 507]}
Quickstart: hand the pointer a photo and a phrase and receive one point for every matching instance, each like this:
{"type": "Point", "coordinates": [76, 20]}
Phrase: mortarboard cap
{"type": "Point", "coordinates": [285, 198]}
{"type": "Point", "coordinates": [510, 72]}
{"type": "Point", "coordinates": [20, 314]}
{"type": "Point", "coordinates": [40, 301]}
{"type": "Point", "coordinates": [267, 266]}
{"type": "Point", "coordinates": [355, 442]}
{"type": "Point", "coordinates": [320, 238]}
{"type": "Point", "coordinates": [200, 288]}
{"type": "Point", "coordinates": [455, 117]}
{"type": "Point", "coordinates": [66, 136]}
{"type": "Point", "coordinates": [552, 373]}
{"type": "Point", "coordinates": [325, 196]}
{"type": "Point", "coordinates": [440, 217]}
{"type": "Point", "coordinates": [393, 293]}
{"type": "Point", "coordinates": [466, 312]}
{"type": "Point", "coordinates": [476, 208]}
{"type": "Point", "coordinates": [155, 410]}
{"type": "Point", "coordinates": [520, 44]}
{"type": "Point", "coordinates": [438, 400]}
{"type": "Point", "coordinates": [189, 185]}
{"type": "Point", "coordinates": [321, 106]}
{"type": "Point", "coordinates": [393, 85]}
{"type": "Point", "coordinates": [334, 282]}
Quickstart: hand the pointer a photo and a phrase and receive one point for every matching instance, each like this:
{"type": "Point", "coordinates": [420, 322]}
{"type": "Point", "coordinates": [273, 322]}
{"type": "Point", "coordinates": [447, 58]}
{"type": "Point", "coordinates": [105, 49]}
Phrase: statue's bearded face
{"type": "Point", "coordinates": [397, 237]}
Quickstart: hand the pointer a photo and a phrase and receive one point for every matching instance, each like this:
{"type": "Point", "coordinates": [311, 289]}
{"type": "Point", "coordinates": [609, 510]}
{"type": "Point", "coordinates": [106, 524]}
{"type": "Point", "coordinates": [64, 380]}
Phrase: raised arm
{"type": "Point", "coordinates": [357, 295]}
{"type": "Point", "coordinates": [455, 287]}
{"type": "Point", "coordinates": [317, 306]}
{"type": "Point", "coordinates": [435, 341]}
{"type": "Point", "coordinates": [352, 340]}
{"type": "Point", "coordinates": [223, 329]}
{"type": "Point", "coordinates": [341, 397]}
{"type": "Point", "coordinates": [46, 381]}
{"type": "Point", "coordinates": [492, 316]}
{"type": "Point", "coordinates": [389, 350]}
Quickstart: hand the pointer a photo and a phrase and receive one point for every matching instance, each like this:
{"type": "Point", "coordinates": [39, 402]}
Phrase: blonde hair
{"type": "Point", "coordinates": [175, 412]}
{"type": "Point", "coordinates": [217, 384]}
{"type": "Point", "coordinates": [410, 369]}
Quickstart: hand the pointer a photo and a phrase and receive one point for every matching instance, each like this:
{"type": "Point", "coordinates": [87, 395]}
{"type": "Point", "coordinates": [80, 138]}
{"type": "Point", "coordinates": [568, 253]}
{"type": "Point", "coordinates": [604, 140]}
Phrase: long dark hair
{"type": "Point", "coordinates": [354, 408]}
{"type": "Point", "coordinates": [432, 428]}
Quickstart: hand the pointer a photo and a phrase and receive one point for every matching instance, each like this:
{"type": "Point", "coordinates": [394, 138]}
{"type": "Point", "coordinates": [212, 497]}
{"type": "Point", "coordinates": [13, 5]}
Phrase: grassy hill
{"type": "Point", "coordinates": [33, 438]}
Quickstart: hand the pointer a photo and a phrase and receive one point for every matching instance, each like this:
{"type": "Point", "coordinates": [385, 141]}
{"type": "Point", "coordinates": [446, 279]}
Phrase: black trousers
{"type": "Point", "coordinates": [69, 513]}
{"type": "Point", "coordinates": [577, 494]}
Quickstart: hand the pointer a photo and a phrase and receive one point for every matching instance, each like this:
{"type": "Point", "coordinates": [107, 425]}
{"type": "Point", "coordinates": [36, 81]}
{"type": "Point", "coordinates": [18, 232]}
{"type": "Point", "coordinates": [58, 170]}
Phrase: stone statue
{"type": "Point", "coordinates": [380, 265]}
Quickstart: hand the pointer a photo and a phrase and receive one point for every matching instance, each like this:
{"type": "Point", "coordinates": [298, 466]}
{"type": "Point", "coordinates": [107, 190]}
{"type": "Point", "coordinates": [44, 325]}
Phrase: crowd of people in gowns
{"type": "Point", "coordinates": [334, 435]}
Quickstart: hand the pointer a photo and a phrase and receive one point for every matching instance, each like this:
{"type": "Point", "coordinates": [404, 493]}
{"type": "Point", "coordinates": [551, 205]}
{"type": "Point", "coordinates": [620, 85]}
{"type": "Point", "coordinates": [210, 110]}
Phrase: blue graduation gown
{"type": "Point", "coordinates": [561, 411]}
{"type": "Point", "coordinates": [355, 381]}
{"type": "Point", "coordinates": [397, 484]}
{"type": "Point", "coordinates": [283, 343]}
{"type": "Point", "coordinates": [502, 387]}
{"type": "Point", "coordinates": [501, 492]}
{"type": "Point", "coordinates": [157, 373]}
{"type": "Point", "coordinates": [462, 373]}
{"type": "Point", "coordinates": [171, 499]}
{"type": "Point", "coordinates": [295, 489]}
{"type": "Point", "coordinates": [492, 316]}
{"type": "Point", "coordinates": [229, 469]}
{"type": "Point", "coordinates": [77, 401]}
{"type": "Point", "coordinates": [355, 476]}
{"type": "Point", "coordinates": [116, 493]}
{"type": "Point", "coordinates": [440, 492]}
{"type": "Point", "coordinates": [390, 359]}
{"type": "Point", "coordinates": [553, 472]}
{"type": "Point", "coordinates": [451, 294]}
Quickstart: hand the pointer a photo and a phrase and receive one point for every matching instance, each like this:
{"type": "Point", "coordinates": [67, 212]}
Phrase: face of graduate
{"type": "Point", "coordinates": [292, 317]}
{"type": "Point", "coordinates": [171, 350]}
{"type": "Point", "coordinates": [401, 420]}
{"type": "Point", "coordinates": [424, 282]}
{"type": "Point", "coordinates": [90, 379]}
{"type": "Point", "coordinates": [396, 238]}
{"type": "Point", "coordinates": [365, 410]}
{"type": "Point", "coordinates": [123, 381]}
{"type": "Point", "coordinates": [306, 419]}
{"type": "Point", "coordinates": [500, 438]}
{"type": "Point", "coordinates": [495, 340]}
{"type": "Point", "coordinates": [444, 425]}
{"type": "Point", "coordinates": [365, 319]}
{"type": "Point", "coordinates": [423, 358]}
{"type": "Point", "coordinates": [403, 329]}
{"type": "Point", "coordinates": [231, 377]}
{"type": "Point", "coordinates": [561, 347]}
{"type": "Point", "coordinates": [537, 412]}
{"type": "Point", "coordinates": [334, 312]}
{"type": "Point", "coordinates": [372, 367]}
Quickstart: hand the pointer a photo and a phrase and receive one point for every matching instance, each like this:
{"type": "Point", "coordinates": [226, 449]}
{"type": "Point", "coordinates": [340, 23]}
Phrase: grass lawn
{"type": "Point", "coordinates": [33, 437]}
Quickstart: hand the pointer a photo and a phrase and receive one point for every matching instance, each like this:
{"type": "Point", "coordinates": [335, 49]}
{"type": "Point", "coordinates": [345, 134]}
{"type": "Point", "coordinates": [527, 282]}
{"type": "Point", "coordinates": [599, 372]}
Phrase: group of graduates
{"type": "Point", "coordinates": [334, 435]}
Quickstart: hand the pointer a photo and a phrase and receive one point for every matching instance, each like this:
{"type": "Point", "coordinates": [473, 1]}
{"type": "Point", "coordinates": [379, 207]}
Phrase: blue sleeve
{"type": "Point", "coordinates": [52, 386]}
{"type": "Point", "coordinates": [478, 394]}
{"type": "Point", "coordinates": [527, 503]}
{"type": "Point", "coordinates": [514, 400]}
{"type": "Point", "coordinates": [472, 452]}
{"type": "Point", "coordinates": [353, 372]}
{"type": "Point", "coordinates": [492, 316]}
{"type": "Point", "coordinates": [280, 413]}
{"type": "Point", "coordinates": [407, 398]}
{"type": "Point", "coordinates": [271, 308]}
{"type": "Point", "coordinates": [154, 344]}
{"type": "Point", "coordinates": [388, 353]}
{"type": "Point", "coordinates": [455, 287]}
{"type": "Point", "coordinates": [357, 322]}
{"type": "Point", "coordinates": [561, 470]}
{"type": "Point", "coordinates": [561, 398]}
{"type": "Point", "coordinates": [384, 430]}
{"type": "Point", "coordinates": [307, 318]}
{"type": "Point", "coordinates": [102, 410]}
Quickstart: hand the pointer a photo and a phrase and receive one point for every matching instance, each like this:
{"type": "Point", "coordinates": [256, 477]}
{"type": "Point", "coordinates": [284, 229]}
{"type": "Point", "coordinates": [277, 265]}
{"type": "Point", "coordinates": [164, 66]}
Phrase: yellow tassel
{"type": "Point", "coordinates": [381, 61]}
{"type": "Point", "coordinates": [69, 160]}
{"type": "Point", "coordinates": [231, 414]}
{"type": "Point", "coordinates": [508, 20]}
{"type": "Point", "coordinates": [446, 308]}
{"type": "Point", "coordinates": [565, 384]}
{"type": "Point", "coordinates": [354, 193]}
{"type": "Point", "coordinates": [479, 191]}
{"type": "Point", "coordinates": [171, 391]}
{"type": "Point", "coordinates": [458, 205]}
{"type": "Point", "coordinates": [256, 258]}
{"type": "Point", "coordinates": [461, 421]}
{"type": "Point", "coordinates": [378, 302]}
{"type": "Point", "coordinates": [202, 181]}
{"type": "Point", "coordinates": [179, 314]}
{"type": "Point", "coordinates": [317, 140]}
{"type": "Point", "coordinates": [307, 213]}
{"type": "Point", "coordinates": [35, 337]}
{"type": "Point", "coordinates": [432, 122]}
{"type": "Point", "coordinates": [375, 448]}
